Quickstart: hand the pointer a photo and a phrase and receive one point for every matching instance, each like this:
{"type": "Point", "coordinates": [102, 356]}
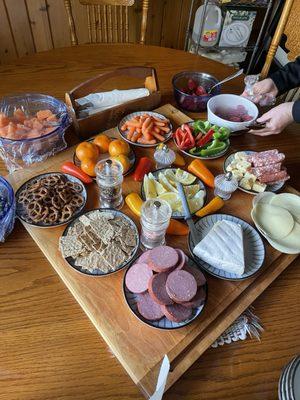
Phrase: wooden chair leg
{"type": "Point", "coordinates": [74, 39]}
{"type": "Point", "coordinates": [144, 21]}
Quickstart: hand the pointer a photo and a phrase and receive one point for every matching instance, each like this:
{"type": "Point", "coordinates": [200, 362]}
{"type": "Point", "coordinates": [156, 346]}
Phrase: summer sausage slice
{"type": "Point", "coordinates": [181, 286]}
{"type": "Point", "coordinates": [148, 308]}
{"type": "Point", "coordinates": [182, 259]}
{"type": "Point", "coordinates": [157, 289]}
{"type": "Point", "coordinates": [197, 274]}
{"type": "Point", "coordinates": [144, 257]}
{"type": "Point", "coordinates": [177, 312]}
{"type": "Point", "coordinates": [163, 258]}
{"type": "Point", "coordinates": [137, 278]}
{"type": "Point", "coordinates": [196, 301]}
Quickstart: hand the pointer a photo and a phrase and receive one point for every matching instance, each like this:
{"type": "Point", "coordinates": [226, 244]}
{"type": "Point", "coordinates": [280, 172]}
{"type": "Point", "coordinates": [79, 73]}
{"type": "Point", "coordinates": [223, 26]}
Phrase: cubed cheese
{"type": "Point", "coordinates": [244, 183]}
{"type": "Point", "coordinates": [259, 187]}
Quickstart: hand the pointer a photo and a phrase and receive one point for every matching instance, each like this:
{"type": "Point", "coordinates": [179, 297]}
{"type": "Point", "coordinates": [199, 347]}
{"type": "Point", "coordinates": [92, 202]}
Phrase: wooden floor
{"type": "Point", "coordinates": [49, 349]}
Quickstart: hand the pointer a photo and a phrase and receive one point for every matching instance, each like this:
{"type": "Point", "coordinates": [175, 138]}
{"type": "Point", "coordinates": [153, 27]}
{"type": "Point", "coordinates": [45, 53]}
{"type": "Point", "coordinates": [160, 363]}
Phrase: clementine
{"type": "Point", "coordinates": [102, 141]}
{"type": "Point", "coordinates": [117, 147]}
{"type": "Point", "coordinates": [88, 166]}
{"type": "Point", "coordinates": [124, 160]}
{"type": "Point", "coordinates": [87, 150]}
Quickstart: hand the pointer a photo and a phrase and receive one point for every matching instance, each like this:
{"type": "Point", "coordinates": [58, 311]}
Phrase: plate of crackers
{"type": "Point", "coordinates": [100, 242]}
{"type": "Point", "coordinates": [51, 199]}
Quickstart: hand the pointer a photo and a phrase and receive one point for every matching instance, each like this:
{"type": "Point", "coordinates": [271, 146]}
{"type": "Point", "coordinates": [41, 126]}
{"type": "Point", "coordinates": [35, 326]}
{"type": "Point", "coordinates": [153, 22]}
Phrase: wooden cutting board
{"type": "Point", "coordinates": [138, 347]}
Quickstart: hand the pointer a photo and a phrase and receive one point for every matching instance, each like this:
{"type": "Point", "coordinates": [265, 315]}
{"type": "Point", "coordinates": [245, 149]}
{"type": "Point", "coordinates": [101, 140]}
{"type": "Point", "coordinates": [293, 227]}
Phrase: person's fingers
{"type": "Point", "coordinates": [244, 94]}
{"type": "Point", "coordinates": [262, 132]}
{"type": "Point", "coordinates": [265, 117]}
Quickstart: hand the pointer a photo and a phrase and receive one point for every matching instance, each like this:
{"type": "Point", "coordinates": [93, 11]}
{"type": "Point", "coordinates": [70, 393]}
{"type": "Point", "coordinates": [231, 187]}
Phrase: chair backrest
{"type": "Point", "coordinates": [107, 20]}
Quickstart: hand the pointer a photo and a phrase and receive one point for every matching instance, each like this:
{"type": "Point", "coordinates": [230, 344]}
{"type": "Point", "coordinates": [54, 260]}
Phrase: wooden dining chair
{"type": "Point", "coordinates": [107, 20]}
{"type": "Point", "coordinates": [288, 24]}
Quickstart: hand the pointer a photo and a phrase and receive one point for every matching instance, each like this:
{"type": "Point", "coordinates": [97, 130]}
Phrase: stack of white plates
{"type": "Point", "coordinates": [289, 382]}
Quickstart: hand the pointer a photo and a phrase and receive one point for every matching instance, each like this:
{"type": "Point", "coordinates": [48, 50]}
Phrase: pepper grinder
{"type": "Point", "coordinates": [155, 219]}
{"type": "Point", "coordinates": [164, 156]}
{"type": "Point", "coordinates": [109, 177]}
{"type": "Point", "coordinates": [225, 185]}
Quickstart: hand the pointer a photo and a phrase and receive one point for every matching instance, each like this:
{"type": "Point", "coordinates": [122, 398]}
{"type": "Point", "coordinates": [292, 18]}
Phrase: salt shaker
{"type": "Point", "coordinates": [155, 218]}
{"type": "Point", "coordinates": [164, 156]}
{"type": "Point", "coordinates": [109, 177]}
{"type": "Point", "coordinates": [225, 185]}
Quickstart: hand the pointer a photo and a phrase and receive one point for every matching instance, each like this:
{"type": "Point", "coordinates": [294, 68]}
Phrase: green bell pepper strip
{"type": "Point", "coordinates": [207, 125]}
{"type": "Point", "coordinates": [198, 127]}
{"type": "Point", "coordinates": [213, 150]}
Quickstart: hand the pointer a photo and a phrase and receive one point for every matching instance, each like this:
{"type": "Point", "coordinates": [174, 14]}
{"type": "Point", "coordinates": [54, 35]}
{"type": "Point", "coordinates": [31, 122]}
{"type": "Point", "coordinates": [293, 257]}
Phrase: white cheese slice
{"type": "Point", "coordinates": [223, 247]}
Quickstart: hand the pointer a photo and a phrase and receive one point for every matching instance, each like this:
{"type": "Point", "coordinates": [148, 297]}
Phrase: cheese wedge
{"type": "Point", "coordinates": [223, 247]}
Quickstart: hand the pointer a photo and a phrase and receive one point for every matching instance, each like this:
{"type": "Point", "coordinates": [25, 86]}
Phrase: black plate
{"type": "Point", "coordinates": [43, 225]}
{"type": "Point", "coordinates": [196, 182]}
{"type": "Point", "coordinates": [71, 261]}
{"type": "Point", "coordinates": [163, 323]}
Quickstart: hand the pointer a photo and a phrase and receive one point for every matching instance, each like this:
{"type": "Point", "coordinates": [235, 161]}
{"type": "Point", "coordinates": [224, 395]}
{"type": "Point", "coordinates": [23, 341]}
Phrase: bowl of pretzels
{"type": "Point", "coordinates": [50, 199]}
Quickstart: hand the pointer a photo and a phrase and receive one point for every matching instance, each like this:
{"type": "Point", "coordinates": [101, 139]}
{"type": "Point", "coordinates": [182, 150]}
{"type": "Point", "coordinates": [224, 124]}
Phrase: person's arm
{"type": "Point", "coordinates": [296, 111]}
{"type": "Point", "coordinates": [287, 77]}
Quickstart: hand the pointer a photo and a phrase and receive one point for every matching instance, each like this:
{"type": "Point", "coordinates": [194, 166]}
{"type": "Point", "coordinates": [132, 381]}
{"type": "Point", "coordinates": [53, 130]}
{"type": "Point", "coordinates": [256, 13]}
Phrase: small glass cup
{"type": "Point", "coordinates": [225, 185]}
{"type": "Point", "coordinates": [164, 156]}
{"type": "Point", "coordinates": [109, 177]}
{"type": "Point", "coordinates": [155, 219]}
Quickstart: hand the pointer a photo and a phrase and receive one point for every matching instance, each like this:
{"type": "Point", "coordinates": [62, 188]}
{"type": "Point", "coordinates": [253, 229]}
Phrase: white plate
{"type": "Point", "coordinates": [177, 214]}
{"type": "Point", "coordinates": [270, 188]}
{"type": "Point", "coordinates": [163, 323]}
{"type": "Point", "coordinates": [254, 248]}
{"type": "Point", "coordinates": [136, 114]}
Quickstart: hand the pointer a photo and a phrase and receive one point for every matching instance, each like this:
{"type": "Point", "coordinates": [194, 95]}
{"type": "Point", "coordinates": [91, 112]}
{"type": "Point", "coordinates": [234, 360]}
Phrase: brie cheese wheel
{"type": "Point", "coordinates": [223, 247]}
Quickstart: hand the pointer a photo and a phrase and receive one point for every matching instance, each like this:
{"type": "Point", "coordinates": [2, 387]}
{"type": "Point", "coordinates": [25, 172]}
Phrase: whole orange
{"type": "Point", "coordinates": [102, 141]}
{"type": "Point", "coordinates": [88, 166]}
{"type": "Point", "coordinates": [87, 150]}
{"type": "Point", "coordinates": [124, 160]}
{"type": "Point", "coordinates": [117, 147]}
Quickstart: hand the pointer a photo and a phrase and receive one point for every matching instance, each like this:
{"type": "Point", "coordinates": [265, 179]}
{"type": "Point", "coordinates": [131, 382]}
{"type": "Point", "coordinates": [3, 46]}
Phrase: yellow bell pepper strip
{"type": "Point", "coordinates": [214, 205]}
{"type": "Point", "coordinates": [134, 202]}
{"type": "Point", "coordinates": [198, 168]}
{"type": "Point", "coordinates": [179, 160]}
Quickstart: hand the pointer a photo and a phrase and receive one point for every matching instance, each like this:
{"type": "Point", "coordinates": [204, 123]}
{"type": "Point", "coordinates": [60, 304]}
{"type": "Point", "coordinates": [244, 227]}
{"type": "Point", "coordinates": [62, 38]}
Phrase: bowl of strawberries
{"type": "Point", "coordinates": [191, 90]}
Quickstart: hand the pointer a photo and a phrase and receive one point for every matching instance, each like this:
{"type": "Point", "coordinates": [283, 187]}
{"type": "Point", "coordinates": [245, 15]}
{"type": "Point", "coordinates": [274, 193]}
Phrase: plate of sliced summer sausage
{"type": "Point", "coordinates": [165, 289]}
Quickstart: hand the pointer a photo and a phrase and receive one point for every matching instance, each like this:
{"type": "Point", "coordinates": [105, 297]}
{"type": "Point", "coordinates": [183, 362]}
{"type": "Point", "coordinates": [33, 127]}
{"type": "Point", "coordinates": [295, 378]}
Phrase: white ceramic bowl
{"type": "Point", "coordinates": [230, 101]}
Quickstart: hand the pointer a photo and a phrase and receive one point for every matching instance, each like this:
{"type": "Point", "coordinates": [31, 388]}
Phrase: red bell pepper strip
{"type": "Point", "coordinates": [144, 166]}
{"type": "Point", "coordinates": [187, 129]}
{"type": "Point", "coordinates": [69, 168]}
{"type": "Point", "coordinates": [206, 138]}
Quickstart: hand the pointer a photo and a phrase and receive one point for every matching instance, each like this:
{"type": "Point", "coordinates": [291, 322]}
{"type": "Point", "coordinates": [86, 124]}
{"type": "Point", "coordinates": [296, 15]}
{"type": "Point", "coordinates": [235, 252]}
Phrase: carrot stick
{"type": "Point", "coordinates": [124, 127]}
{"type": "Point", "coordinates": [130, 133]}
{"type": "Point", "coordinates": [134, 124]}
{"type": "Point", "coordinates": [145, 141]}
{"type": "Point", "coordinates": [147, 131]}
{"type": "Point", "coordinates": [158, 136]}
{"type": "Point", "coordinates": [156, 129]}
{"type": "Point", "coordinates": [161, 120]}
{"type": "Point", "coordinates": [165, 129]}
{"type": "Point", "coordinates": [159, 123]}
{"type": "Point", "coordinates": [135, 136]}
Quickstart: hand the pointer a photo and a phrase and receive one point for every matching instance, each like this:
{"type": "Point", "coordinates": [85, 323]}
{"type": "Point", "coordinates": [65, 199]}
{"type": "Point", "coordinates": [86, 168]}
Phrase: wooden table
{"type": "Point", "coordinates": [49, 349]}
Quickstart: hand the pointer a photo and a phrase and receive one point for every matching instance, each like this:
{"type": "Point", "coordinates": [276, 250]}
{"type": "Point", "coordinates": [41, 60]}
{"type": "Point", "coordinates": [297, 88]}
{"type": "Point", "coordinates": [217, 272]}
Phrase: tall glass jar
{"type": "Point", "coordinates": [155, 218]}
{"type": "Point", "coordinates": [109, 177]}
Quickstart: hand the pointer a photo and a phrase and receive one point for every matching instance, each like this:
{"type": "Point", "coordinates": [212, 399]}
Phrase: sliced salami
{"type": "Point", "coordinates": [266, 169]}
{"type": "Point", "coordinates": [148, 308]}
{"type": "Point", "coordinates": [137, 278]}
{"type": "Point", "coordinates": [163, 258]}
{"type": "Point", "coordinates": [181, 286]}
{"type": "Point", "coordinates": [198, 300]}
{"type": "Point", "coordinates": [144, 257]}
{"type": "Point", "coordinates": [274, 177]}
{"type": "Point", "coordinates": [197, 274]}
{"type": "Point", "coordinates": [177, 312]}
{"type": "Point", "coordinates": [157, 289]}
{"type": "Point", "coordinates": [272, 159]}
{"type": "Point", "coordinates": [182, 259]}
{"type": "Point", "coordinates": [251, 158]}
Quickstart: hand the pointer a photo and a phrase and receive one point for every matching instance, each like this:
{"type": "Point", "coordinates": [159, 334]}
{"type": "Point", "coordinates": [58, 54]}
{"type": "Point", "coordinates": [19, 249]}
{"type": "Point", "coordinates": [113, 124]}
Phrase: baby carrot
{"type": "Point", "coordinates": [130, 133]}
{"type": "Point", "coordinates": [158, 136]}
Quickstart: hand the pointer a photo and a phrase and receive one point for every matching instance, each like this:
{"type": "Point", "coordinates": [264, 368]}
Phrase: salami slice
{"type": "Point", "coordinates": [258, 171]}
{"type": "Point", "coordinates": [177, 312]}
{"type": "Point", "coordinates": [197, 274]}
{"type": "Point", "coordinates": [182, 259]}
{"type": "Point", "coordinates": [163, 258]}
{"type": "Point", "coordinates": [274, 177]}
{"type": "Point", "coordinates": [198, 300]}
{"type": "Point", "coordinates": [181, 286]}
{"type": "Point", "coordinates": [262, 155]}
{"type": "Point", "coordinates": [157, 289]}
{"type": "Point", "coordinates": [144, 257]}
{"type": "Point", "coordinates": [148, 308]}
{"type": "Point", "coordinates": [137, 278]}
{"type": "Point", "coordinates": [271, 159]}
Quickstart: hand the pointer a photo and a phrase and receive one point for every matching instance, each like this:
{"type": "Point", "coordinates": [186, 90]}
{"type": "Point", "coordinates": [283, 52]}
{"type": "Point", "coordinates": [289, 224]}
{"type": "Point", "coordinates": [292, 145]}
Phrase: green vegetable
{"type": "Point", "coordinates": [207, 125]}
{"type": "Point", "coordinates": [199, 127]}
{"type": "Point", "coordinates": [215, 148]}
{"type": "Point", "coordinates": [225, 132]}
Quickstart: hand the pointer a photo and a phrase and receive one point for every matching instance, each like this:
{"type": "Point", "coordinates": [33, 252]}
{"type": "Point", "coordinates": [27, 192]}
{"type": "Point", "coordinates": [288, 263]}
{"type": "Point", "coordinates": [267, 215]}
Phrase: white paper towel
{"type": "Point", "coordinates": [162, 379]}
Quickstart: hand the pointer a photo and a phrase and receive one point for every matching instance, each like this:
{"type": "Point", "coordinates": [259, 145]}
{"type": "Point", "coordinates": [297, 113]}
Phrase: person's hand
{"type": "Point", "coordinates": [276, 120]}
{"type": "Point", "coordinates": [263, 88]}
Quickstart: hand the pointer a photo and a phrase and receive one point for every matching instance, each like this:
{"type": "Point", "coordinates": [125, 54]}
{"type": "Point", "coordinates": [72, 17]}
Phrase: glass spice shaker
{"type": "Point", "coordinates": [109, 177]}
{"type": "Point", "coordinates": [164, 156]}
{"type": "Point", "coordinates": [225, 185]}
{"type": "Point", "coordinates": [155, 218]}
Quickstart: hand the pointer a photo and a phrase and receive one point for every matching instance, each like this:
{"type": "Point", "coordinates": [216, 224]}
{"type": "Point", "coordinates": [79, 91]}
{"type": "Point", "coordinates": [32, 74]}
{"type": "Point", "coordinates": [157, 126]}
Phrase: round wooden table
{"type": "Point", "coordinates": [48, 348]}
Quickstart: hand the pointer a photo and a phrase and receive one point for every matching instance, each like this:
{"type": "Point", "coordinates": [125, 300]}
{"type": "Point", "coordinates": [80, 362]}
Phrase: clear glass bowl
{"type": "Point", "coordinates": [18, 153]}
{"type": "Point", "coordinates": [7, 215]}
{"type": "Point", "coordinates": [189, 102]}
